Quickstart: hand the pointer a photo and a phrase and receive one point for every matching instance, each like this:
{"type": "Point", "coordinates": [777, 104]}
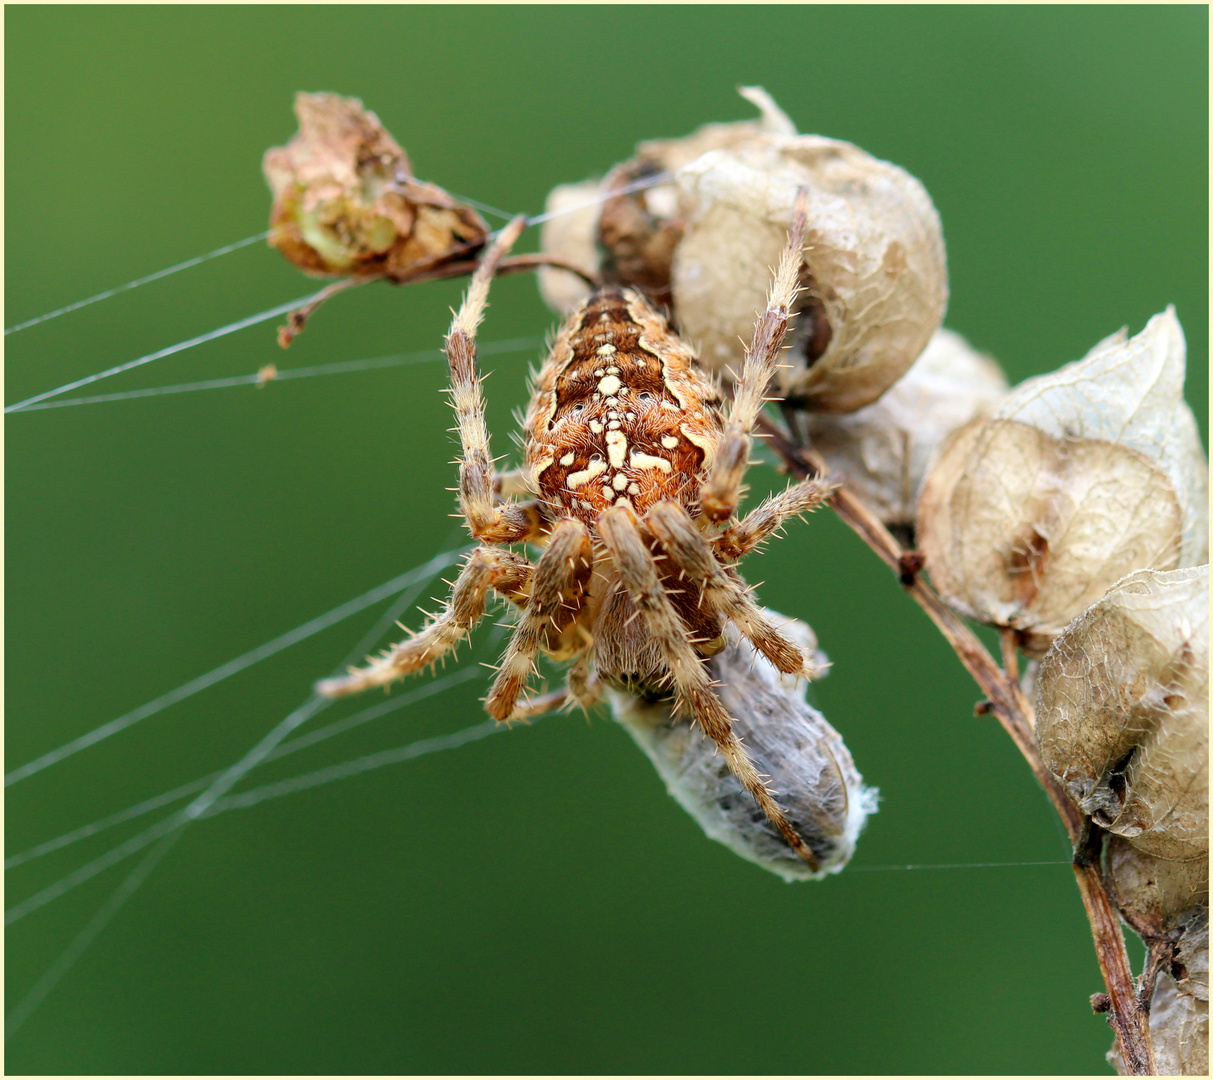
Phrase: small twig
{"type": "Point", "coordinates": [429, 270]}
{"type": "Point", "coordinates": [1160, 956]}
{"type": "Point", "coordinates": [297, 319]}
{"type": "Point", "coordinates": [1008, 703]}
{"type": "Point", "coordinates": [1008, 638]}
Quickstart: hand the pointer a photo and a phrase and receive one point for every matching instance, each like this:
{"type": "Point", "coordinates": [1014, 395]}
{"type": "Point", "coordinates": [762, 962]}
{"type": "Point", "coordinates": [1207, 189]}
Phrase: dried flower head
{"type": "Point", "coordinates": [1123, 711]}
{"type": "Point", "coordinates": [883, 451]}
{"type": "Point", "coordinates": [702, 240]}
{"type": "Point", "coordinates": [808, 763]}
{"type": "Point", "coordinates": [1077, 478]}
{"type": "Point", "coordinates": [346, 202]}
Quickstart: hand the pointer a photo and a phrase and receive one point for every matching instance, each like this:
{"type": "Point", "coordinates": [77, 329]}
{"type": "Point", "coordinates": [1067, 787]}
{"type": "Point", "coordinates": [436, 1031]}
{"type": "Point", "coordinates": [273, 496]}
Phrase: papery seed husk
{"type": "Point", "coordinates": [701, 242]}
{"type": "Point", "coordinates": [1122, 711]}
{"type": "Point", "coordinates": [1021, 514]}
{"type": "Point", "coordinates": [1129, 391]}
{"type": "Point", "coordinates": [597, 210]}
{"type": "Point", "coordinates": [882, 452]}
{"type": "Point", "coordinates": [346, 203]}
{"type": "Point", "coordinates": [569, 235]}
{"type": "Point", "coordinates": [874, 272]}
{"type": "Point", "coordinates": [1153, 894]}
{"type": "Point", "coordinates": [809, 766]}
{"type": "Point", "coordinates": [1024, 530]}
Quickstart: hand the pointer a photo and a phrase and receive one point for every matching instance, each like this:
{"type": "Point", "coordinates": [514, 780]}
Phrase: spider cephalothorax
{"type": "Point", "coordinates": [634, 467]}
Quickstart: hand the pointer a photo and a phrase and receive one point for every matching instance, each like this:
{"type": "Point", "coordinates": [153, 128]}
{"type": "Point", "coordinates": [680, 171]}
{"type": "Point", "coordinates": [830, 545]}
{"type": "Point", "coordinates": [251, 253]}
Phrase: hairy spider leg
{"type": "Point", "coordinates": [761, 523]}
{"type": "Point", "coordinates": [489, 521]}
{"type": "Point", "coordinates": [555, 601]}
{"type": "Point", "coordinates": [720, 590]}
{"type": "Point", "coordinates": [486, 568]}
{"type": "Point", "coordinates": [694, 695]}
{"type": "Point", "coordinates": [722, 489]}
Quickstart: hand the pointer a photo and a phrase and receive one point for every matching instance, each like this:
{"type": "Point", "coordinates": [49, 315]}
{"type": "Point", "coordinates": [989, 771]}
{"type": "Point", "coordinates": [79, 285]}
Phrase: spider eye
{"type": "Point", "coordinates": [646, 396]}
{"type": "Point", "coordinates": [579, 407]}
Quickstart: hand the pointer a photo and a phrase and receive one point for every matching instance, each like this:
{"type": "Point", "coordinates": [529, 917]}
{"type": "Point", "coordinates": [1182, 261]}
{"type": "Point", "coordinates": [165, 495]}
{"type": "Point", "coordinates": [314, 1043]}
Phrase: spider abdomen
{"type": "Point", "coordinates": [622, 413]}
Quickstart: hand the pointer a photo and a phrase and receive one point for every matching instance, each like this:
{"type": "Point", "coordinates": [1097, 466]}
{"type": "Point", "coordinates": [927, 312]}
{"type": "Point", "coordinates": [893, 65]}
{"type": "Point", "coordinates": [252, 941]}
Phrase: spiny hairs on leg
{"type": "Point", "coordinates": [556, 595]}
{"type": "Point", "coordinates": [721, 592]}
{"type": "Point", "coordinates": [495, 524]}
{"type": "Point", "coordinates": [694, 695]}
{"type": "Point", "coordinates": [742, 537]}
{"type": "Point", "coordinates": [722, 489]}
{"type": "Point", "coordinates": [485, 568]}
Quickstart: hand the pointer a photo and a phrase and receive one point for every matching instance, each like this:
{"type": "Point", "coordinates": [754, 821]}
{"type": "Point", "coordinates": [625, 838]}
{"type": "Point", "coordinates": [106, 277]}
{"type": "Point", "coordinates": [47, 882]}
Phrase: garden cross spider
{"type": "Point", "coordinates": [634, 469]}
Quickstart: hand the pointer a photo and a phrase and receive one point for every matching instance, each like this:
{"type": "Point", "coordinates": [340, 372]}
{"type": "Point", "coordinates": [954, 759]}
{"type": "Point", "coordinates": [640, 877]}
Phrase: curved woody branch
{"type": "Point", "coordinates": [1007, 702]}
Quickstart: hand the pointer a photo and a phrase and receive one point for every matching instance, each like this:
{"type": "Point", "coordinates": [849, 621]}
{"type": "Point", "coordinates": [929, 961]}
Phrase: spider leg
{"type": "Point", "coordinates": [721, 591]}
{"type": "Point", "coordinates": [742, 537]}
{"type": "Point", "coordinates": [620, 531]}
{"type": "Point", "coordinates": [539, 706]}
{"type": "Point", "coordinates": [582, 689]}
{"type": "Point", "coordinates": [485, 568]}
{"type": "Point", "coordinates": [494, 523]}
{"type": "Point", "coordinates": [722, 489]}
{"type": "Point", "coordinates": [555, 599]}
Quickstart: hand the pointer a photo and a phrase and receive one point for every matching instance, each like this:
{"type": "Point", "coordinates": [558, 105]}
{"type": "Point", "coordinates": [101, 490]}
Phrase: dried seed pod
{"type": "Point", "coordinates": [1155, 895]}
{"type": "Point", "coordinates": [874, 269]}
{"type": "Point", "coordinates": [1077, 478]}
{"type": "Point", "coordinates": [883, 451]}
{"type": "Point", "coordinates": [1122, 711]}
{"type": "Point", "coordinates": [568, 231]}
{"type": "Point", "coordinates": [702, 240]}
{"type": "Point", "coordinates": [808, 763]}
{"type": "Point", "coordinates": [346, 202]}
{"type": "Point", "coordinates": [626, 227]}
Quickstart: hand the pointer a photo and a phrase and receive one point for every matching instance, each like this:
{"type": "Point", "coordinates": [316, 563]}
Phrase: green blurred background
{"type": "Point", "coordinates": [534, 902]}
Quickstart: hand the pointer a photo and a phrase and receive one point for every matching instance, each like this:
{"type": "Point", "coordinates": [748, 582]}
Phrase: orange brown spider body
{"type": "Point", "coordinates": [634, 468]}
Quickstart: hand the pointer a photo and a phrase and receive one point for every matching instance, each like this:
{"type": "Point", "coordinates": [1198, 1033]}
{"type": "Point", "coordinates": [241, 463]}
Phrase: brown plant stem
{"type": "Point", "coordinates": [430, 270]}
{"type": "Point", "coordinates": [1007, 702]}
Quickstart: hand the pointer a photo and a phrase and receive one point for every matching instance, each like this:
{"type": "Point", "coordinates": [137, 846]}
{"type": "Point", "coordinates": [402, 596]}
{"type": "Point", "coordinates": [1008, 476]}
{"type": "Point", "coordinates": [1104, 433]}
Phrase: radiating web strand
{"type": "Point", "coordinates": [313, 626]}
{"type": "Point", "coordinates": [958, 866]}
{"type": "Point", "coordinates": [199, 807]}
{"type": "Point", "coordinates": [238, 244]}
{"type": "Point", "coordinates": [339, 368]}
{"type": "Point", "coordinates": [159, 354]}
{"type": "Point", "coordinates": [65, 960]}
{"type": "Point", "coordinates": [167, 798]}
{"type": "Point", "coordinates": [223, 781]}
{"type": "Point", "coordinates": [195, 261]}
{"type": "Point", "coordinates": [283, 309]}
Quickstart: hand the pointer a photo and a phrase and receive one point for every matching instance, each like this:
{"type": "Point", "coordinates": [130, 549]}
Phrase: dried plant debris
{"type": "Point", "coordinates": [810, 768]}
{"type": "Point", "coordinates": [1179, 1005]}
{"type": "Point", "coordinates": [1123, 711]}
{"type": "Point", "coordinates": [702, 240]}
{"type": "Point", "coordinates": [1077, 478]}
{"type": "Point", "coordinates": [883, 451]}
{"type": "Point", "coordinates": [346, 201]}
